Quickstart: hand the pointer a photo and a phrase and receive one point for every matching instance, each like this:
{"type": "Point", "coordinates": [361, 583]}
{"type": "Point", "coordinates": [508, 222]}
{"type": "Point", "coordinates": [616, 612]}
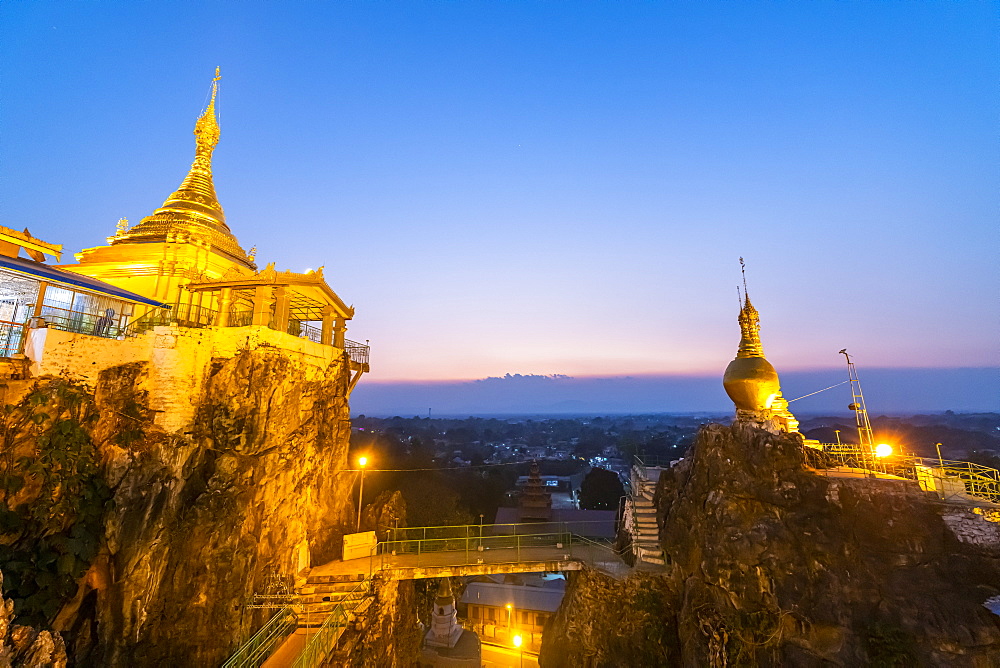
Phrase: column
{"type": "Point", "coordinates": [339, 329]}
{"type": "Point", "coordinates": [282, 300]}
{"type": "Point", "coordinates": [225, 302]}
{"type": "Point", "coordinates": [42, 286]}
{"type": "Point", "coordinates": [326, 338]}
{"type": "Point", "coordinates": [263, 301]}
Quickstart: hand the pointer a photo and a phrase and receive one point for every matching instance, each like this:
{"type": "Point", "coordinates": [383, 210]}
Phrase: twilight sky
{"type": "Point", "coordinates": [553, 187]}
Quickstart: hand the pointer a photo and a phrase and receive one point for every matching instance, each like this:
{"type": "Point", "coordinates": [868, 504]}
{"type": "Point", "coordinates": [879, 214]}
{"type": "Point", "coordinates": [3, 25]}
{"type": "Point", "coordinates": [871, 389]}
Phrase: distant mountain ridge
{"type": "Point", "coordinates": [887, 390]}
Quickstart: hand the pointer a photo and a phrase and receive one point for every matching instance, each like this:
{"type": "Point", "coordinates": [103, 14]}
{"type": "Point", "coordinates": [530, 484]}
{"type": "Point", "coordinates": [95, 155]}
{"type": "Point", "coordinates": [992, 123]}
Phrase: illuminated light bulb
{"type": "Point", "coordinates": [883, 450]}
{"type": "Point", "coordinates": [362, 461]}
{"type": "Point", "coordinates": [517, 641]}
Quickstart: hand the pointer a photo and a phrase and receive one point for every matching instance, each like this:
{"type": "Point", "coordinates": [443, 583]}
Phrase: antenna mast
{"type": "Point", "coordinates": [857, 405]}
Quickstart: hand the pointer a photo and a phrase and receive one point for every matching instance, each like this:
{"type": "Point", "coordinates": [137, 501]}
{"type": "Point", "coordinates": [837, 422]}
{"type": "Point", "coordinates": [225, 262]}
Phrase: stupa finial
{"type": "Point", "coordinates": [206, 129]}
{"type": "Point", "coordinates": [750, 345]}
{"type": "Point", "coordinates": [743, 270]}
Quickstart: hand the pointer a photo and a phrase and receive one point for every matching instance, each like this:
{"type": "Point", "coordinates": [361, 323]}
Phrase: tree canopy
{"type": "Point", "coordinates": [600, 490]}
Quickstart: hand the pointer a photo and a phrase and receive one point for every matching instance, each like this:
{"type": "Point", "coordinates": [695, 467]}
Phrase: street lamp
{"type": "Point", "coordinates": [362, 461]}
{"type": "Point", "coordinates": [517, 644]}
{"type": "Point", "coordinates": [510, 608]}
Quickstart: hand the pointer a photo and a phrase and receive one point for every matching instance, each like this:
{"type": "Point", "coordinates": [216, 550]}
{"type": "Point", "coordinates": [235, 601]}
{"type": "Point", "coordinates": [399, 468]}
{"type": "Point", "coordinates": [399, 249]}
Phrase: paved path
{"type": "Point", "coordinates": [499, 657]}
{"type": "Point", "coordinates": [288, 651]}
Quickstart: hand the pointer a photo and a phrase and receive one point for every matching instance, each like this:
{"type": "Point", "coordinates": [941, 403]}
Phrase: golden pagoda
{"type": "Point", "coordinates": [750, 380]}
{"type": "Point", "coordinates": [184, 256]}
{"type": "Point", "coordinates": [186, 240]}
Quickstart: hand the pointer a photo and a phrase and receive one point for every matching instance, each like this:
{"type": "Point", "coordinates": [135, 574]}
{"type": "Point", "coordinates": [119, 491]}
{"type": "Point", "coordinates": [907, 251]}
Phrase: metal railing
{"type": "Point", "coordinates": [186, 315]}
{"type": "Point", "coordinates": [492, 549]}
{"type": "Point", "coordinates": [82, 322]}
{"type": "Point", "coordinates": [463, 531]}
{"type": "Point", "coordinates": [325, 639]}
{"type": "Point", "coordinates": [945, 476]}
{"type": "Point", "coordinates": [474, 544]}
{"type": "Point", "coordinates": [183, 315]}
{"type": "Point", "coordinates": [357, 352]}
{"type": "Point", "coordinates": [255, 651]}
{"type": "Point", "coordinates": [240, 318]}
{"type": "Point", "coordinates": [663, 461]}
{"type": "Point", "coordinates": [12, 336]}
{"type": "Point", "coordinates": [303, 329]}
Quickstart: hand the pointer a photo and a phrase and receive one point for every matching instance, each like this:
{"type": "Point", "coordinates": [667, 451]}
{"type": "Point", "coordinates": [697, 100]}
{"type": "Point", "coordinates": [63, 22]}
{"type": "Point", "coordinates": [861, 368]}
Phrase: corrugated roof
{"type": "Point", "coordinates": [541, 599]}
{"type": "Point", "coordinates": [44, 272]}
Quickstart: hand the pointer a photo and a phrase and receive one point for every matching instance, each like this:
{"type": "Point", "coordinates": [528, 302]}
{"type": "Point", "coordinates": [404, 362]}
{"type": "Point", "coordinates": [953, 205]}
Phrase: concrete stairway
{"type": "Point", "coordinates": [321, 594]}
{"type": "Point", "coordinates": [645, 530]}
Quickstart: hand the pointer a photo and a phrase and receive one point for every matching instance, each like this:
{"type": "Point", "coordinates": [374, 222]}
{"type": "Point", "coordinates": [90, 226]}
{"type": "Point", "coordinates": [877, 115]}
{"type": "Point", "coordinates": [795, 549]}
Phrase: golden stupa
{"type": "Point", "coordinates": [194, 207]}
{"type": "Point", "coordinates": [185, 240]}
{"type": "Point", "coordinates": [750, 380]}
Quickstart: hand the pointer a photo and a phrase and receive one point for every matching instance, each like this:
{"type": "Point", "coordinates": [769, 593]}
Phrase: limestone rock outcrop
{"type": "Point", "coordinates": [165, 536]}
{"type": "Point", "coordinates": [772, 564]}
{"type": "Point", "coordinates": [25, 647]}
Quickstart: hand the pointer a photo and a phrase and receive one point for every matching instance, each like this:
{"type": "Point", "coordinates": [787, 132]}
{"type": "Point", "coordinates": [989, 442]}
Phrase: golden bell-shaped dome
{"type": "Point", "coordinates": [752, 383]}
{"type": "Point", "coordinates": [750, 380]}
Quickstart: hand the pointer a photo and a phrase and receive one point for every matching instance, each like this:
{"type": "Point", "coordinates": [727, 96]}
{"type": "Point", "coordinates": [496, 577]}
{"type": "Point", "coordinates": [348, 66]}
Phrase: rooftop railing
{"type": "Point", "coordinates": [977, 481]}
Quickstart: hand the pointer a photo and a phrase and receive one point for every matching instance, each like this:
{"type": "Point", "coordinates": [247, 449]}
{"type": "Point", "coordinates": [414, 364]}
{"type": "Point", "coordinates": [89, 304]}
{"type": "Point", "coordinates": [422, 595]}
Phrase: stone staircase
{"type": "Point", "coordinates": [321, 594]}
{"type": "Point", "coordinates": [645, 530]}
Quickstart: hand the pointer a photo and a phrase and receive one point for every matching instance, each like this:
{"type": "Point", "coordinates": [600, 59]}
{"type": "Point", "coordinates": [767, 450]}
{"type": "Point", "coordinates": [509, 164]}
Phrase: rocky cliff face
{"type": "Point", "coordinates": [770, 563]}
{"type": "Point", "coordinates": [25, 647]}
{"type": "Point", "coordinates": [142, 546]}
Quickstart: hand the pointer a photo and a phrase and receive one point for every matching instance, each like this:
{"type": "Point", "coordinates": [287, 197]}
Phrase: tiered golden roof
{"type": "Point", "coordinates": [193, 210]}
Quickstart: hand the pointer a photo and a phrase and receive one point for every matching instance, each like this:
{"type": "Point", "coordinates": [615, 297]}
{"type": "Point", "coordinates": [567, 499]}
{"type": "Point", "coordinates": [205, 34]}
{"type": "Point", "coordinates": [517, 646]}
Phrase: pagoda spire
{"type": "Point", "coordinates": [193, 209]}
{"type": "Point", "coordinates": [197, 192]}
{"type": "Point", "coordinates": [750, 345]}
{"type": "Point", "coordinates": [206, 132]}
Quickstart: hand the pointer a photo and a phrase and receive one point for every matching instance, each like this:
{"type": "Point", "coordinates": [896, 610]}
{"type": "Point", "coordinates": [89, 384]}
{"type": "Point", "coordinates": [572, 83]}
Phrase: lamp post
{"type": "Point", "coordinates": [361, 487]}
{"type": "Point", "coordinates": [510, 609]}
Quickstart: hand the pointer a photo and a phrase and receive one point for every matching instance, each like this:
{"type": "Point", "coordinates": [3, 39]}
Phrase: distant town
{"type": "Point", "coordinates": [474, 463]}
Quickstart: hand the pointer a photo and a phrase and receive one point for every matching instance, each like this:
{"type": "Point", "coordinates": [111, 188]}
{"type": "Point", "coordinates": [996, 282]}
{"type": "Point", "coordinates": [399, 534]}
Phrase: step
{"type": "Point", "coordinates": [335, 587]}
{"type": "Point", "coordinates": [333, 579]}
